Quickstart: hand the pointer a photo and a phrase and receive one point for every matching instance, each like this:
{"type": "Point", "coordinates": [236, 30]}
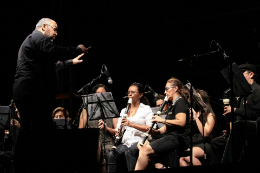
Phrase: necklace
{"type": "Point", "coordinates": [173, 103]}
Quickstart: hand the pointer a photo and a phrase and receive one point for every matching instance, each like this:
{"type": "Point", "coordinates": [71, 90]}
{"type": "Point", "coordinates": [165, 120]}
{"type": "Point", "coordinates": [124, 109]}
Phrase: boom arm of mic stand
{"type": "Point", "coordinates": [196, 56]}
{"type": "Point", "coordinates": [89, 84]}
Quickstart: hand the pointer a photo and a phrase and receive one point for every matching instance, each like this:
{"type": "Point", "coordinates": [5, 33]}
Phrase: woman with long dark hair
{"type": "Point", "coordinates": [107, 128]}
{"type": "Point", "coordinates": [204, 122]}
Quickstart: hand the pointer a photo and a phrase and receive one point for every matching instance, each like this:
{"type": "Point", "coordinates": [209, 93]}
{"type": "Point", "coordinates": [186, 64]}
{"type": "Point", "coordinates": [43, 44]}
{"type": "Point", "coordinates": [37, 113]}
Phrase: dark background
{"type": "Point", "coordinates": [138, 42]}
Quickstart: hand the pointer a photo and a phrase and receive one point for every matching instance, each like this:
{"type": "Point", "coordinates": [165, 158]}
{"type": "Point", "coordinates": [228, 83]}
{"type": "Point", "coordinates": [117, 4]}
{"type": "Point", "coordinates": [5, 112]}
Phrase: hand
{"type": "Point", "coordinates": [227, 110]}
{"type": "Point", "coordinates": [140, 144]}
{"type": "Point", "coordinates": [83, 48]}
{"type": "Point", "coordinates": [126, 122]}
{"type": "Point", "coordinates": [224, 133]}
{"type": "Point", "coordinates": [15, 123]}
{"type": "Point", "coordinates": [195, 114]}
{"type": "Point", "coordinates": [116, 131]}
{"type": "Point", "coordinates": [77, 60]}
{"type": "Point", "coordinates": [101, 124]}
{"type": "Point", "coordinates": [157, 118]}
{"type": "Point", "coordinates": [154, 132]}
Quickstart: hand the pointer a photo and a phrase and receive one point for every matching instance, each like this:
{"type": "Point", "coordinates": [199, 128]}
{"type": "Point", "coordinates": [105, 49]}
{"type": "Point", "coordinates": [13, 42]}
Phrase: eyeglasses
{"type": "Point", "coordinates": [53, 27]}
{"type": "Point", "coordinates": [167, 88]}
{"type": "Point", "coordinates": [131, 92]}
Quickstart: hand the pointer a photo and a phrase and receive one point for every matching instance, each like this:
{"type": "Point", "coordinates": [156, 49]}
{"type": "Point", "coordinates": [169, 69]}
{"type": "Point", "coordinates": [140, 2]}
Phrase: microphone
{"type": "Point", "coordinates": [226, 100]}
{"type": "Point", "coordinates": [221, 51]}
{"type": "Point", "coordinates": [125, 97]}
{"type": "Point", "coordinates": [152, 91]}
{"type": "Point", "coordinates": [109, 79]}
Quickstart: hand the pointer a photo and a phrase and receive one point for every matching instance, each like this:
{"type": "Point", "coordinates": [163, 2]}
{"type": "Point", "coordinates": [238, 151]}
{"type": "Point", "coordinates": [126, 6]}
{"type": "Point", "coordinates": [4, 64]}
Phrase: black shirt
{"type": "Point", "coordinates": [35, 71]}
{"type": "Point", "coordinates": [252, 106]}
{"type": "Point", "coordinates": [181, 106]}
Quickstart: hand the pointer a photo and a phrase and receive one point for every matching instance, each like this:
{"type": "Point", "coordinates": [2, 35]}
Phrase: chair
{"type": "Point", "coordinates": [175, 156]}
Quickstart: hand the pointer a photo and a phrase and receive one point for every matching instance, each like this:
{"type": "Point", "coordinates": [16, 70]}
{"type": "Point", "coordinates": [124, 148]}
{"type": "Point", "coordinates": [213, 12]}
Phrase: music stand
{"type": "Point", "coordinates": [60, 123]}
{"type": "Point", "coordinates": [240, 87]}
{"type": "Point", "coordinates": [101, 106]}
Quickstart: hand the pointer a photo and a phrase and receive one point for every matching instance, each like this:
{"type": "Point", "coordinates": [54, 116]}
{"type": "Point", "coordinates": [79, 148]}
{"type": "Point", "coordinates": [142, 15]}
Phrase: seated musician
{"type": "Point", "coordinates": [207, 117]}
{"type": "Point", "coordinates": [176, 128]}
{"type": "Point", "coordinates": [107, 129]}
{"type": "Point", "coordinates": [136, 124]}
{"type": "Point", "coordinates": [59, 113]}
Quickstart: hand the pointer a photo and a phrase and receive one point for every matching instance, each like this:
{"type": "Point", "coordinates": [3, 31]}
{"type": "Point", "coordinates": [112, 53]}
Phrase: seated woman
{"type": "Point", "coordinates": [138, 120]}
{"type": "Point", "coordinates": [59, 121]}
{"type": "Point", "coordinates": [208, 118]}
{"type": "Point", "coordinates": [59, 113]}
{"type": "Point", "coordinates": [107, 128]}
{"type": "Point", "coordinates": [176, 128]}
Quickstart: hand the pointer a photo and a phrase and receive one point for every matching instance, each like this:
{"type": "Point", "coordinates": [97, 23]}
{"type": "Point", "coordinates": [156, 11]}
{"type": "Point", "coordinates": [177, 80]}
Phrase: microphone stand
{"type": "Point", "coordinates": [231, 73]}
{"type": "Point", "coordinates": [192, 63]}
{"type": "Point", "coordinates": [84, 89]}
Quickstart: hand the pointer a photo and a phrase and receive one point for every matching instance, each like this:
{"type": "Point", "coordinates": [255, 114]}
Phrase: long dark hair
{"type": "Point", "coordinates": [205, 97]}
{"type": "Point", "coordinates": [140, 87]}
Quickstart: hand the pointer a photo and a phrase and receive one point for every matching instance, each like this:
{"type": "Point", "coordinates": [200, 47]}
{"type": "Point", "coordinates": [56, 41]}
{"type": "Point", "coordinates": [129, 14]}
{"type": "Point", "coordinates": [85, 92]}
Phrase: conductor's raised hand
{"type": "Point", "coordinates": [77, 60]}
{"type": "Point", "coordinates": [83, 48]}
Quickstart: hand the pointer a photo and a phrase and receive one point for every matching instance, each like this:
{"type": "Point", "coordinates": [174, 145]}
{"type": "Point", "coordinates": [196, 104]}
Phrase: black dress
{"type": "Point", "coordinates": [175, 137]}
{"type": "Point", "coordinates": [197, 139]}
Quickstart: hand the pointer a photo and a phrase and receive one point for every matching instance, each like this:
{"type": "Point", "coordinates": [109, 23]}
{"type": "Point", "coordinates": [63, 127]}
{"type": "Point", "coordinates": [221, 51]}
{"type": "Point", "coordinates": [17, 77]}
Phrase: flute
{"type": "Point", "coordinates": [159, 112]}
{"type": "Point", "coordinates": [119, 135]}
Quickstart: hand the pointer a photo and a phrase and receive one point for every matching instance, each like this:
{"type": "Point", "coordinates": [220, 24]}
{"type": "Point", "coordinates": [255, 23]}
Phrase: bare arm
{"type": "Point", "coordinates": [143, 128]}
{"type": "Point", "coordinates": [83, 119]}
{"type": "Point", "coordinates": [180, 120]}
{"type": "Point", "coordinates": [162, 130]}
{"type": "Point", "coordinates": [208, 127]}
{"type": "Point", "coordinates": [110, 130]}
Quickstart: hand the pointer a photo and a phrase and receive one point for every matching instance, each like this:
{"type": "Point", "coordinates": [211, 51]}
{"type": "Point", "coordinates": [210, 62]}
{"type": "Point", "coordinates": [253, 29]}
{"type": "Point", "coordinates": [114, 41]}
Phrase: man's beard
{"type": "Point", "coordinates": [47, 34]}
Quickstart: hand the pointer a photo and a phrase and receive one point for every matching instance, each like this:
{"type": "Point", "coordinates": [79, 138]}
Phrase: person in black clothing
{"type": "Point", "coordinates": [176, 129]}
{"type": "Point", "coordinates": [35, 78]}
{"type": "Point", "coordinates": [244, 131]}
{"type": "Point", "coordinates": [207, 117]}
{"type": "Point", "coordinates": [34, 90]}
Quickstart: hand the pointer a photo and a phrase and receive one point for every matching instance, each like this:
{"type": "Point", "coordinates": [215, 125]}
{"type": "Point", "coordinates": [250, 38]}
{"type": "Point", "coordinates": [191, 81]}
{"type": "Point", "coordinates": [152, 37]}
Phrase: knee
{"type": "Point", "coordinates": [182, 159]}
{"type": "Point", "coordinates": [145, 150]}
